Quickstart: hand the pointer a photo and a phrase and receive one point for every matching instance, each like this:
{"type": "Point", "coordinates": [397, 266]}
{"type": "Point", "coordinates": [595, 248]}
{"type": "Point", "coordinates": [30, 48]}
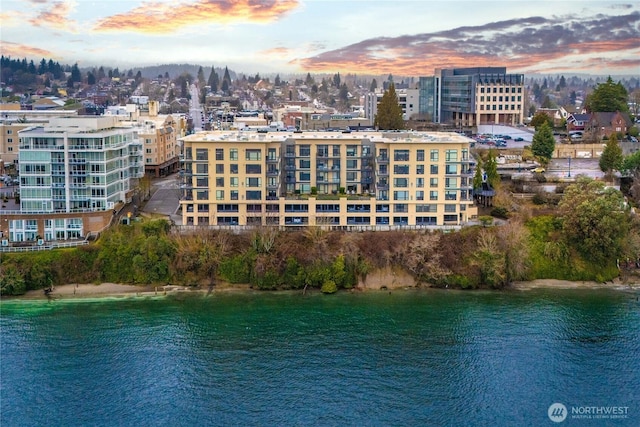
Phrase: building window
{"type": "Point", "coordinates": [400, 208]}
{"type": "Point", "coordinates": [254, 195]}
{"type": "Point", "coordinates": [234, 168]}
{"type": "Point", "coordinates": [450, 208]}
{"type": "Point", "coordinates": [420, 155]}
{"type": "Point", "coordinates": [219, 182]}
{"type": "Point", "coordinates": [400, 220]}
{"type": "Point", "coordinates": [433, 195]}
{"type": "Point", "coordinates": [219, 194]}
{"type": "Point", "coordinates": [305, 150]}
{"type": "Point", "coordinates": [219, 154]}
{"type": "Point", "coordinates": [420, 169]}
{"type": "Point", "coordinates": [434, 169]}
{"type": "Point", "coordinates": [419, 182]}
{"type": "Point", "coordinates": [434, 155]}
{"type": "Point", "coordinates": [253, 155]}
{"type": "Point", "coordinates": [254, 182]}
{"type": "Point", "coordinates": [401, 155]}
{"type": "Point", "coordinates": [202, 195]}
{"type": "Point", "coordinates": [219, 168]}
{"type": "Point", "coordinates": [400, 195]}
{"type": "Point", "coordinates": [401, 182]}
{"type": "Point", "coordinates": [233, 154]}
{"type": "Point", "coordinates": [233, 181]}
{"type": "Point", "coordinates": [234, 194]}
{"type": "Point", "coordinates": [419, 195]}
{"type": "Point", "coordinates": [252, 169]}
{"type": "Point", "coordinates": [401, 169]}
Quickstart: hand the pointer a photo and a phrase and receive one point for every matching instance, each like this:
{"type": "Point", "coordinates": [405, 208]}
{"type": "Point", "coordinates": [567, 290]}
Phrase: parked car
{"type": "Point", "coordinates": [539, 169]}
{"type": "Point", "coordinates": [518, 139]}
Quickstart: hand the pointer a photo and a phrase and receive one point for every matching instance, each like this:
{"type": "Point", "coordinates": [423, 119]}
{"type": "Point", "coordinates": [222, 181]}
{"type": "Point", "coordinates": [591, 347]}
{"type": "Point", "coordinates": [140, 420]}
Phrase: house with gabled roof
{"type": "Point", "coordinates": [604, 124]}
{"type": "Point", "coordinates": [577, 121]}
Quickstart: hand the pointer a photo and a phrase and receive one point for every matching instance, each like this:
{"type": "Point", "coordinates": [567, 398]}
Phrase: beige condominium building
{"type": "Point", "coordinates": [353, 180]}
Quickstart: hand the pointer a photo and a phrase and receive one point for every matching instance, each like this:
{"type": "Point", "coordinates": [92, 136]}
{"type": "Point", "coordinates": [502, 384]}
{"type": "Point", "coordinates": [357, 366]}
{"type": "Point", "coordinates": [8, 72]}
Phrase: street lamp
{"type": "Point", "coordinates": [569, 175]}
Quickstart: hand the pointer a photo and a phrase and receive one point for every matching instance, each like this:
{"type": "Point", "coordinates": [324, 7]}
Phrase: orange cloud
{"type": "Point", "coordinates": [276, 51]}
{"type": "Point", "coordinates": [160, 18]}
{"type": "Point", "coordinates": [18, 50]}
{"type": "Point", "coordinates": [521, 44]}
{"type": "Point", "coordinates": [56, 16]}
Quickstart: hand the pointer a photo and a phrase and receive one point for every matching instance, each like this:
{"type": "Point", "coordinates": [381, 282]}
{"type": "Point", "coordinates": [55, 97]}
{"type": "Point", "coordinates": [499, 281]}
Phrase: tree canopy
{"type": "Point", "coordinates": [389, 115]}
{"type": "Point", "coordinates": [608, 97]}
{"type": "Point", "coordinates": [594, 219]}
{"type": "Point", "coordinates": [543, 143]}
{"type": "Point", "coordinates": [541, 118]}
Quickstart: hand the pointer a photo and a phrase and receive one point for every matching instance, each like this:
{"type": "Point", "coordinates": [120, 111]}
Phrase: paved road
{"type": "Point", "coordinates": [165, 199]}
{"type": "Point", "coordinates": [195, 110]}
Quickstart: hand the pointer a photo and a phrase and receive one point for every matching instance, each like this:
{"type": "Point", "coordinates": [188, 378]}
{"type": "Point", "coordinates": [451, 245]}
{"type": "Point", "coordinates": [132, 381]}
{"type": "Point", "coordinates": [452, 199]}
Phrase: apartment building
{"type": "Point", "coordinates": [408, 99]}
{"type": "Point", "coordinates": [73, 173]}
{"type": "Point", "coordinates": [467, 97]}
{"type": "Point", "coordinates": [15, 120]}
{"type": "Point", "coordinates": [159, 136]}
{"type": "Point", "coordinates": [359, 179]}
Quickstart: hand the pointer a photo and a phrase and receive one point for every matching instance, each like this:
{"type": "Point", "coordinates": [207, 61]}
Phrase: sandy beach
{"type": "Point", "coordinates": [121, 290]}
{"type": "Point", "coordinates": [85, 290]}
{"type": "Point", "coordinates": [565, 284]}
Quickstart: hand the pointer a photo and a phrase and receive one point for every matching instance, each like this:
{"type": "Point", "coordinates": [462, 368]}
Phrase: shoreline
{"type": "Point", "coordinates": [116, 290]}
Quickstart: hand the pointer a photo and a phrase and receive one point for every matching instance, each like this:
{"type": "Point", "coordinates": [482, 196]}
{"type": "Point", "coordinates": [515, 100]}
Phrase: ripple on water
{"type": "Point", "coordinates": [410, 358]}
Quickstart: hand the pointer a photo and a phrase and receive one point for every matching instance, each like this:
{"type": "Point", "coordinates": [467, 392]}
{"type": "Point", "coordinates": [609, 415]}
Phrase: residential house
{"type": "Point", "coordinates": [601, 125]}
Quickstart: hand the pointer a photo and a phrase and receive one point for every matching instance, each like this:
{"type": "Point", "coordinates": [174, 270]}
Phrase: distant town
{"type": "Point", "coordinates": [80, 147]}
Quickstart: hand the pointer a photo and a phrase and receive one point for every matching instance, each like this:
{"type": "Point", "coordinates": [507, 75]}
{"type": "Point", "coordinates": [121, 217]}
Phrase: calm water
{"type": "Point", "coordinates": [407, 358]}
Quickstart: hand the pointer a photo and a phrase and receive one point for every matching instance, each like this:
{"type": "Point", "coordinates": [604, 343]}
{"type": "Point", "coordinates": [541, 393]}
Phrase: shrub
{"type": "Point", "coordinates": [329, 287]}
{"type": "Point", "coordinates": [539, 199]}
{"type": "Point", "coordinates": [500, 212]}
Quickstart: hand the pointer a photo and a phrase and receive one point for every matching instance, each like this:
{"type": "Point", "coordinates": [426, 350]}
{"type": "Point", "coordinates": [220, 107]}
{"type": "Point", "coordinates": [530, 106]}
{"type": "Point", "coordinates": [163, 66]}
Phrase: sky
{"type": "Point", "coordinates": [399, 37]}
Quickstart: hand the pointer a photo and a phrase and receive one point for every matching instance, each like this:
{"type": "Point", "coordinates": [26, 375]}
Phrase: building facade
{"type": "Point", "coordinates": [359, 179]}
{"type": "Point", "coordinates": [69, 168]}
{"type": "Point", "coordinates": [159, 137]}
{"type": "Point", "coordinates": [468, 97]}
{"type": "Point", "coordinates": [408, 99]}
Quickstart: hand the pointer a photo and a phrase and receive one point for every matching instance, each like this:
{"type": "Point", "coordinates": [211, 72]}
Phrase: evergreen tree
{"type": "Point", "coordinates": [543, 143]}
{"type": "Point", "coordinates": [100, 74]}
{"type": "Point", "coordinates": [389, 115]}
{"type": "Point", "coordinates": [344, 94]}
{"type": "Point", "coordinates": [213, 80]}
{"type": "Point", "coordinates": [608, 97]}
{"type": "Point", "coordinates": [563, 82]}
{"type": "Point", "coordinates": [277, 82]}
{"type": "Point", "coordinates": [477, 176]}
{"type": "Point", "coordinates": [491, 169]}
{"type": "Point", "coordinates": [201, 80]}
{"type": "Point", "coordinates": [336, 80]}
{"type": "Point", "coordinates": [373, 86]}
{"type": "Point", "coordinates": [91, 79]}
{"type": "Point", "coordinates": [309, 80]}
{"type": "Point", "coordinates": [76, 76]}
{"type": "Point", "coordinates": [611, 158]}
{"type": "Point", "coordinates": [42, 68]}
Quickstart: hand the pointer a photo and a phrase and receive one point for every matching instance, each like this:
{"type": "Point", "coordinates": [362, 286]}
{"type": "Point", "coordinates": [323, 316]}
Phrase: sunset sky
{"type": "Point", "coordinates": [400, 37]}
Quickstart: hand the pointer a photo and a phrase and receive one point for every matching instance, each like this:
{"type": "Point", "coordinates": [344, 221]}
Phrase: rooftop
{"type": "Point", "coordinates": [281, 136]}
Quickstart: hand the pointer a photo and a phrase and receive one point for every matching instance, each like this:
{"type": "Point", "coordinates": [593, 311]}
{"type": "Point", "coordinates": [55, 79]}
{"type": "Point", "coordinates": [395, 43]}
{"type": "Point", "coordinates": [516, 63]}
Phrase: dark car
{"type": "Point", "coordinates": [518, 139]}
